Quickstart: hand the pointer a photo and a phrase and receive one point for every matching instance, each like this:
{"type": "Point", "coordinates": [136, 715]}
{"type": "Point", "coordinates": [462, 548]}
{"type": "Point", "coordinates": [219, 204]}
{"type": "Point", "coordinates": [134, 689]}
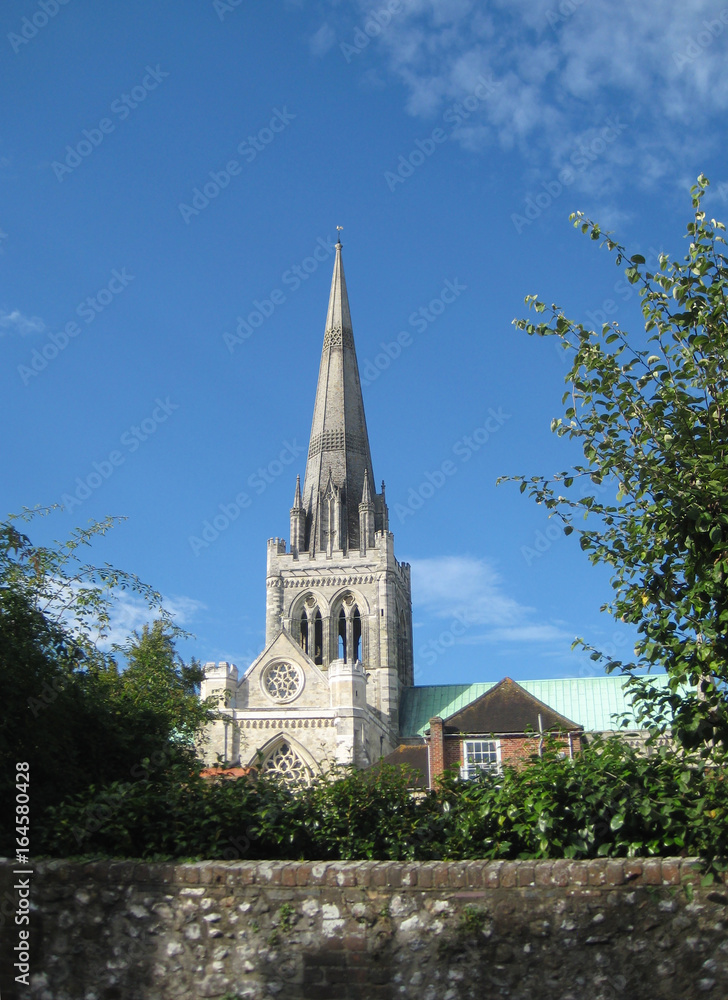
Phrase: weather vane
{"type": "Point", "coordinates": [339, 229]}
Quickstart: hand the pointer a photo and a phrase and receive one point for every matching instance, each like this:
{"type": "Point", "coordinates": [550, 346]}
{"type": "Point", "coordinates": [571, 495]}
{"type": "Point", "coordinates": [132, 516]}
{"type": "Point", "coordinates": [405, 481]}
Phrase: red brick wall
{"type": "Point", "coordinates": [514, 749]}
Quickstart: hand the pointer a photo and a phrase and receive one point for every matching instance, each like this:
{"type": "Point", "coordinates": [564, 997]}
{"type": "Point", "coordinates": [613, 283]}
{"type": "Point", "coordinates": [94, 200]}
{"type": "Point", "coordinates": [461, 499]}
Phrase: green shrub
{"type": "Point", "coordinates": [610, 801]}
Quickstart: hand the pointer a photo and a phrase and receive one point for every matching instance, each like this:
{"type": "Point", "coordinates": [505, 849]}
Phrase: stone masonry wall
{"type": "Point", "coordinates": [598, 930]}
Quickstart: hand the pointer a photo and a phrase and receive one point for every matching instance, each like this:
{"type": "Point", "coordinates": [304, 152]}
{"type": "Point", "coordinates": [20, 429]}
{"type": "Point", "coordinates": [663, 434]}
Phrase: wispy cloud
{"type": "Point", "coordinates": [16, 322]}
{"type": "Point", "coordinates": [322, 40]}
{"type": "Point", "coordinates": [128, 612]}
{"type": "Point", "coordinates": [451, 585]}
{"type": "Point", "coordinates": [562, 69]}
{"type": "Point", "coordinates": [530, 633]}
{"type": "Point", "coordinates": [469, 591]}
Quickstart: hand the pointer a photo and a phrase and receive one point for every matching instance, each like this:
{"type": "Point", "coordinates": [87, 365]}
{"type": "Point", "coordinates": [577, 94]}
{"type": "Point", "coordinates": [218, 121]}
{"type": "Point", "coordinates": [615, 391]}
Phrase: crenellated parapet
{"type": "Point", "coordinates": [220, 681]}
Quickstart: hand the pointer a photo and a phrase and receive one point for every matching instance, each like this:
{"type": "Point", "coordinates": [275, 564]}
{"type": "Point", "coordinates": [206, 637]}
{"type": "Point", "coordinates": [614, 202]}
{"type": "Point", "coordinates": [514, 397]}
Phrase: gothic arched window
{"type": "Point", "coordinates": [285, 764]}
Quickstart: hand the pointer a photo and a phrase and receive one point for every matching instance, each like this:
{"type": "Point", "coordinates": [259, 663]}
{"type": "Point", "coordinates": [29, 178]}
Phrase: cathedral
{"type": "Point", "coordinates": [338, 637]}
{"type": "Point", "coordinates": [335, 682]}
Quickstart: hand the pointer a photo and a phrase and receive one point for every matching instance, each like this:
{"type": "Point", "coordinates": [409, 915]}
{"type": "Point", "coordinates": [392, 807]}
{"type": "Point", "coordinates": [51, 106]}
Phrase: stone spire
{"type": "Point", "coordinates": [298, 521]}
{"type": "Point", "coordinates": [367, 518]}
{"type": "Point", "coordinates": [339, 445]}
{"type": "Point", "coordinates": [366, 496]}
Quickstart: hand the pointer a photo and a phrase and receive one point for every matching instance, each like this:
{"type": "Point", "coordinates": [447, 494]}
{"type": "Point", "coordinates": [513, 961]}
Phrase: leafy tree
{"type": "Point", "coordinates": [161, 691]}
{"type": "Point", "coordinates": [67, 708]}
{"type": "Point", "coordinates": [651, 415]}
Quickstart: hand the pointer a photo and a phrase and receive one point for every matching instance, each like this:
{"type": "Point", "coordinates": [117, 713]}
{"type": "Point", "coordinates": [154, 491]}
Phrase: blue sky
{"type": "Point", "coordinates": [171, 170]}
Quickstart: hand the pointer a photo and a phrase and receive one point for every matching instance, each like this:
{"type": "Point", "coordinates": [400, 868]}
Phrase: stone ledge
{"type": "Point", "coordinates": [405, 876]}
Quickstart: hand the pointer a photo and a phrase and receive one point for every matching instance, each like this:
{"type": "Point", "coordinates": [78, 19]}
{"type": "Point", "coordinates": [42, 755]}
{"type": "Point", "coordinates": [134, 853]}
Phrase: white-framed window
{"type": "Point", "coordinates": [480, 755]}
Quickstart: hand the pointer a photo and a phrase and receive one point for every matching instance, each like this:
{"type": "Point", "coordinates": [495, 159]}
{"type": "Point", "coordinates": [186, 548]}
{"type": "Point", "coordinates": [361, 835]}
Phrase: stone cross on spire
{"type": "Point", "coordinates": [339, 445]}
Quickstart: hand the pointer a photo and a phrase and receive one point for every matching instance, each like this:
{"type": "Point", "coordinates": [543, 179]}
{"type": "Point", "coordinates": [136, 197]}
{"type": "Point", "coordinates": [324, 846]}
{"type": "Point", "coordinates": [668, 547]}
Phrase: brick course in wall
{"type": "Point", "coordinates": [594, 930]}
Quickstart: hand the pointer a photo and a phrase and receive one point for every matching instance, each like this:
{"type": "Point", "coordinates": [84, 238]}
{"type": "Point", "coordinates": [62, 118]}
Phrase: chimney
{"type": "Point", "coordinates": [436, 748]}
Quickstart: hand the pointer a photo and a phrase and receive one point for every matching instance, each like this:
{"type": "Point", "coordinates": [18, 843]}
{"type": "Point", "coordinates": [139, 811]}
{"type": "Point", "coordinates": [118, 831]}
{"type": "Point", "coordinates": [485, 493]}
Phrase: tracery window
{"type": "Point", "coordinates": [285, 764]}
{"type": "Point", "coordinates": [308, 629]}
{"type": "Point", "coordinates": [282, 681]}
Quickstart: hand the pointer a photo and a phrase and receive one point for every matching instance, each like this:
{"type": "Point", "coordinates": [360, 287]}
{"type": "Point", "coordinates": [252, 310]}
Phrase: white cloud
{"type": "Point", "coordinates": [131, 613]}
{"type": "Point", "coordinates": [469, 591]}
{"type": "Point", "coordinates": [450, 585]}
{"type": "Point", "coordinates": [322, 40]}
{"type": "Point", "coordinates": [16, 322]}
{"type": "Point", "coordinates": [128, 613]}
{"type": "Point", "coordinates": [530, 633]}
{"type": "Point", "coordinates": [664, 69]}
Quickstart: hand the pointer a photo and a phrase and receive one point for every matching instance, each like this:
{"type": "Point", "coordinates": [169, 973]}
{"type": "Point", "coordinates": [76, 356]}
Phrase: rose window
{"type": "Point", "coordinates": [282, 681]}
{"type": "Point", "coordinates": [286, 765]}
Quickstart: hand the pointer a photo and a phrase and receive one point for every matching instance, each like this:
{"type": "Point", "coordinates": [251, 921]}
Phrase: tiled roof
{"type": "Point", "coordinates": [414, 757]}
{"type": "Point", "coordinates": [508, 708]}
{"type": "Point", "coordinates": [591, 702]}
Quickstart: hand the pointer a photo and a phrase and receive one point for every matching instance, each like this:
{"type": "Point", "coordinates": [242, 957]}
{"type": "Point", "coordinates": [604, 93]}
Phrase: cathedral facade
{"type": "Point", "coordinates": [328, 686]}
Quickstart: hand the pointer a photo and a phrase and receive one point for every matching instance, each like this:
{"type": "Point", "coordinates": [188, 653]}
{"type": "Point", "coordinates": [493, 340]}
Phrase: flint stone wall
{"type": "Point", "coordinates": [596, 930]}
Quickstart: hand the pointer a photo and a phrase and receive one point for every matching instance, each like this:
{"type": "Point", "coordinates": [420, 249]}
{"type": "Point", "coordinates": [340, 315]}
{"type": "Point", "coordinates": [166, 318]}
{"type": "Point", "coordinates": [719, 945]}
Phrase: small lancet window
{"type": "Point", "coordinates": [318, 638]}
{"type": "Point", "coordinates": [342, 635]}
{"type": "Point", "coordinates": [402, 647]}
{"type": "Point", "coordinates": [356, 635]}
{"type": "Point", "coordinates": [304, 632]}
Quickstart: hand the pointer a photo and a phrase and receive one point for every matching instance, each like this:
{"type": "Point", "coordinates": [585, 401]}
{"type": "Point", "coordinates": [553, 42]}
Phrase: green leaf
{"type": "Point", "coordinates": [616, 822]}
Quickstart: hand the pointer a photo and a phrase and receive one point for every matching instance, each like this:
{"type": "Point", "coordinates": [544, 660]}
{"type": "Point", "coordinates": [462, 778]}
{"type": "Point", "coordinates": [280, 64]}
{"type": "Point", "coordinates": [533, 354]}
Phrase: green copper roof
{"type": "Point", "coordinates": [591, 702]}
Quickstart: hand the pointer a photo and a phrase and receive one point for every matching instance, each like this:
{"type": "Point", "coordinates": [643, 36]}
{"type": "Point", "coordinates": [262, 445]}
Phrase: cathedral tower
{"type": "Point", "coordinates": [338, 605]}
